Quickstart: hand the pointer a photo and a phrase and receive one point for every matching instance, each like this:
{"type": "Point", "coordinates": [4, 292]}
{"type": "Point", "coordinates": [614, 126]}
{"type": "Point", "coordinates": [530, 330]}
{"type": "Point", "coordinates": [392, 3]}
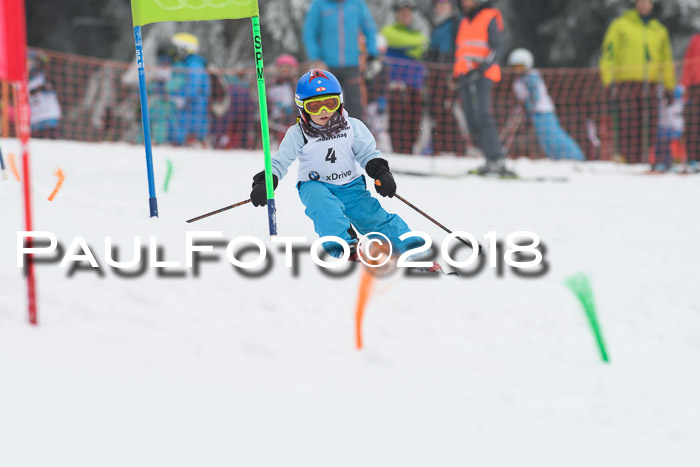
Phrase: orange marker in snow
{"type": "Point", "coordinates": [61, 177]}
{"type": "Point", "coordinates": [13, 166]}
{"type": "Point", "coordinates": [366, 282]}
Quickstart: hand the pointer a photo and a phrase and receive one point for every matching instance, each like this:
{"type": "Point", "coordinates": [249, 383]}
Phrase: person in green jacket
{"type": "Point", "coordinates": [405, 47]}
{"type": "Point", "coordinates": [636, 58]}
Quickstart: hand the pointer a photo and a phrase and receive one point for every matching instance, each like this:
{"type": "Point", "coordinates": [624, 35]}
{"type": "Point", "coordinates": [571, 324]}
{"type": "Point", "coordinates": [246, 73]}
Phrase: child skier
{"type": "Point", "coordinates": [43, 102]}
{"type": "Point", "coordinates": [530, 89]}
{"type": "Point", "coordinates": [331, 147]}
{"type": "Point", "coordinates": [670, 128]}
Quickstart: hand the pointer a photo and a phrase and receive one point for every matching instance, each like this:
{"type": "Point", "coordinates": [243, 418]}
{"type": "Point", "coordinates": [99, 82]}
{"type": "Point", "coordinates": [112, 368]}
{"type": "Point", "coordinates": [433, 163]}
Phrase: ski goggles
{"type": "Point", "coordinates": [316, 105]}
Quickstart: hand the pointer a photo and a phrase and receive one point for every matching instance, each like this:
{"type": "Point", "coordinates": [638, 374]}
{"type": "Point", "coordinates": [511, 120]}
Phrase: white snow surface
{"type": "Point", "coordinates": [223, 370]}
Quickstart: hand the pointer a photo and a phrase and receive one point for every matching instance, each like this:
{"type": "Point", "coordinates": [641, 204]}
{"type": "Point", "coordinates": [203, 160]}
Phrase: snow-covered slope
{"type": "Point", "coordinates": [224, 370]}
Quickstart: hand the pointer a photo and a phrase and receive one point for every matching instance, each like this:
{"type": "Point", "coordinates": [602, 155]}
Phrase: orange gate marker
{"type": "Point", "coordinates": [61, 177]}
{"type": "Point", "coordinates": [366, 282]}
{"type": "Point", "coordinates": [13, 166]}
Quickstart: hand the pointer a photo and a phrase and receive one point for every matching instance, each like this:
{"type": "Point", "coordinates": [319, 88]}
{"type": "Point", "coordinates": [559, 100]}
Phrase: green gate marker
{"type": "Point", "coordinates": [581, 287]}
{"type": "Point", "coordinates": [168, 174]}
{"type": "Point", "coordinates": [264, 127]}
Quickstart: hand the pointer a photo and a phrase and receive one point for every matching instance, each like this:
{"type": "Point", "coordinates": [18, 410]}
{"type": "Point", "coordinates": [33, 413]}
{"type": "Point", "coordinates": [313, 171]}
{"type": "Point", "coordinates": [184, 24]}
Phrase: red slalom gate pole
{"type": "Point", "coordinates": [22, 100]}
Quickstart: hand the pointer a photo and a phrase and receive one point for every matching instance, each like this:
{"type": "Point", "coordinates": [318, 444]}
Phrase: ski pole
{"type": "Point", "coordinates": [510, 130]}
{"type": "Point", "coordinates": [219, 210]}
{"type": "Point", "coordinates": [402, 199]}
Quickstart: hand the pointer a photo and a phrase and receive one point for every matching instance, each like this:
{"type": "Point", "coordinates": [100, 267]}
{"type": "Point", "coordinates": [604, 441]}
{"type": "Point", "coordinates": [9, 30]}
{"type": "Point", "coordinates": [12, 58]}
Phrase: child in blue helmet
{"type": "Point", "coordinates": [331, 147]}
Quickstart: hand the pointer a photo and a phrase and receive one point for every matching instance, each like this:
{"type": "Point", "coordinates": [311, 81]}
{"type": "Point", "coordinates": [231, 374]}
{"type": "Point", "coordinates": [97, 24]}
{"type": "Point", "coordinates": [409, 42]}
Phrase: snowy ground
{"type": "Point", "coordinates": [221, 370]}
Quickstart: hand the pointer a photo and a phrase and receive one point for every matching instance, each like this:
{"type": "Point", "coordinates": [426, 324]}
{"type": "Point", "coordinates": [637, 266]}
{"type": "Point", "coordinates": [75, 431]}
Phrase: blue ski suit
{"type": "Point", "coordinates": [333, 189]}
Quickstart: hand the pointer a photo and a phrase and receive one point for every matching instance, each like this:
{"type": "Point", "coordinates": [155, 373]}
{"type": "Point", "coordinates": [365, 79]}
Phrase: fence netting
{"type": "Point", "coordinates": [553, 113]}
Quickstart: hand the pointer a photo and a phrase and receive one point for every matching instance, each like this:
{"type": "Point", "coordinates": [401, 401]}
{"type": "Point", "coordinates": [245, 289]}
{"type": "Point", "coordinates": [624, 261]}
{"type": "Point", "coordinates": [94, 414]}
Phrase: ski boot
{"type": "Point", "coordinates": [436, 269]}
{"type": "Point", "coordinates": [494, 168]}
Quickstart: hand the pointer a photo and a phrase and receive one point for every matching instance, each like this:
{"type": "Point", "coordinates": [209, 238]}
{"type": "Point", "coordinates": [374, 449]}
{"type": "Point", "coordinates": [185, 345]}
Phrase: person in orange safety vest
{"type": "Point", "coordinates": [479, 46]}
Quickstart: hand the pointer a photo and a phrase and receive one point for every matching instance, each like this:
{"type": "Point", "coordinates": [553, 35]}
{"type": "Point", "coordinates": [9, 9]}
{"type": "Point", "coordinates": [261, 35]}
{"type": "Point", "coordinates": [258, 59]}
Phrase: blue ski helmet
{"type": "Point", "coordinates": [316, 83]}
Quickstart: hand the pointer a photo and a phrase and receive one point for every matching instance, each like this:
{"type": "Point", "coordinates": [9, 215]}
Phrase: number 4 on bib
{"type": "Point", "coordinates": [331, 156]}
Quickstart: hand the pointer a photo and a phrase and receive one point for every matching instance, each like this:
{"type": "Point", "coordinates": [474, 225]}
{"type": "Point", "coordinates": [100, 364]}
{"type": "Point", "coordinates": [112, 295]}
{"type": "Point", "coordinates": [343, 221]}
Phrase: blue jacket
{"type": "Point", "coordinates": [331, 32]}
{"type": "Point", "coordinates": [442, 41]}
{"type": "Point", "coordinates": [190, 90]}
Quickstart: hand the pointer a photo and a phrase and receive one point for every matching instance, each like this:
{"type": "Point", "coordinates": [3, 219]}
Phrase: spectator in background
{"type": "Point", "coordinates": [670, 129]}
{"type": "Point", "coordinates": [691, 80]}
{"type": "Point", "coordinates": [161, 109]}
{"type": "Point", "coordinates": [405, 47]}
{"type": "Point", "coordinates": [190, 90]}
{"type": "Point", "coordinates": [280, 95]}
{"type": "Point", "coordinates": [531, 91]}
{"type": "Point", "coordinates": [45, 109]}
{"type": "Point", "coordinates": [445, 22]}
{"type": "Point", "coordinates": [636, 55]}
{"type": "Point", "coordinates": [331, 38]}
{"type": "Point", "coordinates": [446, 136]}
{"type": "Point", "coordinates": [239, 127]}
{"type": "Point", "coordinates": [479, 47]}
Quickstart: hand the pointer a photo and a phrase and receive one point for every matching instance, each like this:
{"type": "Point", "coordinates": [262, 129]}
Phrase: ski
{"type": "Point", "coordinates": [538, 178]}
{"type": "Point", "coordinates": [518, 178]}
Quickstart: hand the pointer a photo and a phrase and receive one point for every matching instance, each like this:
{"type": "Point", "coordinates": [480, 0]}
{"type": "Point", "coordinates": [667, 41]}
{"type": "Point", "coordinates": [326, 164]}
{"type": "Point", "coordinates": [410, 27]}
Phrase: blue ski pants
{"type": "Point", "coordinates": [553, 139]}
{"type": "Point", "coordinates": [333, 208]}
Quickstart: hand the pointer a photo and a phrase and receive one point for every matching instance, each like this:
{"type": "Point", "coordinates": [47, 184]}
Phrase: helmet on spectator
{"type": "Point", "coordinates": [36, 62]}
{"type": "Point", "coordinates": [185, 43]}
{"type": "Point", "coordinates": [286, 60]}
{"type": "Point", "coordinates": [36, 59]}
{"type": "Point", "coordinates": [679, 92]}
{"type": "Point", "coordinates": [398, 4]}
{"type": "Point", "coordinates": [521, 57]}
{"type": "Point", "coordinates": [316, 83]}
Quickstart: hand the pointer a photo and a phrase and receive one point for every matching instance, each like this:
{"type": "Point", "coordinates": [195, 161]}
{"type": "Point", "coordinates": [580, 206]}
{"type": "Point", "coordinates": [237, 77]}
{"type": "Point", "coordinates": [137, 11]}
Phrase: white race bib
{"type": "Point", "coordinates": [329, 159]}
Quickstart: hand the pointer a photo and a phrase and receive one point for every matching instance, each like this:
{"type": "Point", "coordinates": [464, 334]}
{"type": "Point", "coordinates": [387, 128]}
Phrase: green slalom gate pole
{"type": "Point", "coordinates": [264, 125]}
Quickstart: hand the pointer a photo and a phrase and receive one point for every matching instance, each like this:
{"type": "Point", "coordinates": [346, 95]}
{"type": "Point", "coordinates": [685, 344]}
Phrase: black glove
{"type": "Point", "coordinates": [259, 193]}
{"type": "Point", "coordinates": [373, 68]}
{"type": "Point", "coordinates": [378, 169]}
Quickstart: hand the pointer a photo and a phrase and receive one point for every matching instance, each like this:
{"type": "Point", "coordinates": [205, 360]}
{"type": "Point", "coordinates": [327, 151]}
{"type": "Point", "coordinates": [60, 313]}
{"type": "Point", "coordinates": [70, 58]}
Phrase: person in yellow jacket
{"type": "Point", "coordinates": [636, 58]}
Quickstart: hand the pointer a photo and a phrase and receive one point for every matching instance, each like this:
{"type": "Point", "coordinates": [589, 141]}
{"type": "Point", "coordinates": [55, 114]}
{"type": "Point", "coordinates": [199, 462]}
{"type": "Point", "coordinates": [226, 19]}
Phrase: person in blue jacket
{"type": "Point", "coordinates": [331, 38]}
{"type": "Point", "coordinates": [442, 38]}
{"type": "Point", "coordinates": [531, 91]}
{"type": "Point", "coordinates": [190, 90]}
{"type": "Point", "coordinates": [332, 149]}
